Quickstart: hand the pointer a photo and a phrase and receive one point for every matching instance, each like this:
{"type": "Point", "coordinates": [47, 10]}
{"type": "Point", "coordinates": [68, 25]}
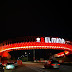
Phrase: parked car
{"type": "Point", "coordinates": [10, 66]}
{"type": "Point", "coordinates": [52, 64]}
{"type": "Point", "coordinates": [1, 68]}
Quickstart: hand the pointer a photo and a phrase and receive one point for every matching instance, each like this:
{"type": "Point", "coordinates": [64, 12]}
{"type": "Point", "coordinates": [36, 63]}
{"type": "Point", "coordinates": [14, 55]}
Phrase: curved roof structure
{"type": "Point", "coordinates": [43, 44]}
{"type": "Point", "coordinates": [35, 45]}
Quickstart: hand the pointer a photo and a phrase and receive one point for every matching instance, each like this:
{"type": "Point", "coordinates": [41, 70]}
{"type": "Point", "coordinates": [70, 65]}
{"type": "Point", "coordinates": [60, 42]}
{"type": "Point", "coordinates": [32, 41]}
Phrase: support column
{"type": "Point", "coordinates": [34, 54]}
{"type": "Point", "coordinates": [0, 59]}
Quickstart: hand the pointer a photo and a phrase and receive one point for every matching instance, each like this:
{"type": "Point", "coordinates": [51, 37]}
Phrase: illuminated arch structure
{"type": "Point", "coordinates": [37, 45]}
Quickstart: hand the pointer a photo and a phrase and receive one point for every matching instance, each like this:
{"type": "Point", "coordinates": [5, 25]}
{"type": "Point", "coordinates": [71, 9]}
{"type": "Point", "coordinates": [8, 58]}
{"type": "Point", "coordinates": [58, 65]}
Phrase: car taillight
{"type": "Point", "coordinates": [58, 64]}
{"type": "Point", "coordinates": [52, 64]}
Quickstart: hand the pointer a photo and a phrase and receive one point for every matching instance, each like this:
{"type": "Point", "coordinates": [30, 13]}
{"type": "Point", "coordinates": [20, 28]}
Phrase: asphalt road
{"type": "Point", "coordinates": [39, 67]}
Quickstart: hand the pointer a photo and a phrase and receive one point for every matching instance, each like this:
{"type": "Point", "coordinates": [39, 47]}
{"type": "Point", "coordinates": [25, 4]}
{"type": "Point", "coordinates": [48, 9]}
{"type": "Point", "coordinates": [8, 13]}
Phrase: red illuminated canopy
{"type": "Point", "coordinates": [35, 45]}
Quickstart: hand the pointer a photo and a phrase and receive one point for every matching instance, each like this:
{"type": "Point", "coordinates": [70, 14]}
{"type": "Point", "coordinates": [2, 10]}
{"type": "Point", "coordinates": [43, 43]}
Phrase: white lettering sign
{"type": "Point", "coordinates": [37, 39]}
{"type": "Point", "coordinates": [47, 40]}
{"type": "Point", "coordinates": [52, 40]}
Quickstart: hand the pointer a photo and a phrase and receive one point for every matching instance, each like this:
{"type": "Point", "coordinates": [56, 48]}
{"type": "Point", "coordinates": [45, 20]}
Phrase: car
{"type": "Point", "coordinates": [10, 66]}
{"type": "Point", "coordinates": [52, 64]}
{"type": "Point", "coordinates": [1, 68]}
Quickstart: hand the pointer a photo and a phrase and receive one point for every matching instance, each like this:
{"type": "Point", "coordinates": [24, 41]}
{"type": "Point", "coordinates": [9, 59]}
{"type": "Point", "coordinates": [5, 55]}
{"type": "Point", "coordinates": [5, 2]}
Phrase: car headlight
{"type": "Point", "coordinates": [9, 66]}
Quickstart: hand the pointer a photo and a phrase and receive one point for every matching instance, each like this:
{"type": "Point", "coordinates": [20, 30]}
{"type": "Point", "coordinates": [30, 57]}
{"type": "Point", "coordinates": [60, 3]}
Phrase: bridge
{"type": "Point", "coordinates": [37, 45]}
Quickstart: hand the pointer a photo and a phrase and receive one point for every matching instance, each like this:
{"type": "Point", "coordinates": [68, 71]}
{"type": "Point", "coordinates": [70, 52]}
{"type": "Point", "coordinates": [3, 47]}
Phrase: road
{"type": "Point", "coordinates": [39, 67]}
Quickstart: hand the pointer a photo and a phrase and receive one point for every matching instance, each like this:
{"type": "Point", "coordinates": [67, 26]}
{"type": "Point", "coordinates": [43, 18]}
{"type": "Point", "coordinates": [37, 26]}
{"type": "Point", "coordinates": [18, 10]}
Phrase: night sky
{"type": "Point", "coordinates": [35, 20]}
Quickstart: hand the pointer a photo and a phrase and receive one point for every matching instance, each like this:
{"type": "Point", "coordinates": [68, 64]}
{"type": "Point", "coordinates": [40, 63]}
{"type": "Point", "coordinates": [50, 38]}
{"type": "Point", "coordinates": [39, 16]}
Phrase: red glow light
{"type": "Point", "coordinates": [39, 45]}
{"type": "Point", "coordinates": [42, 39]}
{"type": "Point", "coordinates": [52, 64]}
{"type": "Point", "coordinates": [58, 64]}
{"type": "Point", "coordinates": [5, 54]}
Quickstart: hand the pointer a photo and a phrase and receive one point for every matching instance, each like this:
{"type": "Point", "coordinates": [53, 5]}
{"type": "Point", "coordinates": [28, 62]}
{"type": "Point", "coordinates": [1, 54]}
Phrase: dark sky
{"type": "Point", "coordinates": [35, 20]}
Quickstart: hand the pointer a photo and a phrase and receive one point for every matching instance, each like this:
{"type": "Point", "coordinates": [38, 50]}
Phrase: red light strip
{"type": "Point", "coordinates": [52, 64]}
{"type": "Point", "coordinates": [32, 45]}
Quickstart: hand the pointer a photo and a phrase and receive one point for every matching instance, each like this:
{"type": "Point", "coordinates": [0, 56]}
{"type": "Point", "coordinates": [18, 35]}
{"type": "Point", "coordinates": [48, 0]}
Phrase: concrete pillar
{"type": "Point", "coordinates": [34, 54]}
{"type": "Point", "coordinates": [0, 59]}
